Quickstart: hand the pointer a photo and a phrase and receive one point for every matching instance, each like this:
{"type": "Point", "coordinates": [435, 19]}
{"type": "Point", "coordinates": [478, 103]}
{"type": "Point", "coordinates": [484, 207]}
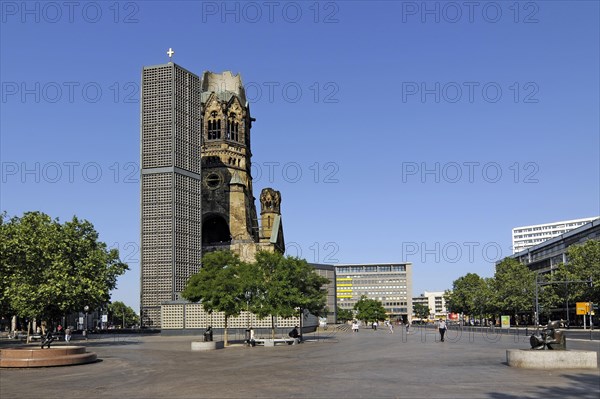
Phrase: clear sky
{"type": "Point", "coordinates": [395, 131]}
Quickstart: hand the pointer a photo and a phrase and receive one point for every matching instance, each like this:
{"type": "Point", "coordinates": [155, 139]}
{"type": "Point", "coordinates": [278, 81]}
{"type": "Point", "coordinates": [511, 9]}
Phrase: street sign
{"type": "Point", "coordinates": [582, 308]}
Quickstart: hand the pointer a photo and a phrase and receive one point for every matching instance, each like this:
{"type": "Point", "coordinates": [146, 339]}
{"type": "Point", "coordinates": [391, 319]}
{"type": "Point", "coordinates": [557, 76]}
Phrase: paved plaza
{"type": "Point", "coordinates": [368, 364]}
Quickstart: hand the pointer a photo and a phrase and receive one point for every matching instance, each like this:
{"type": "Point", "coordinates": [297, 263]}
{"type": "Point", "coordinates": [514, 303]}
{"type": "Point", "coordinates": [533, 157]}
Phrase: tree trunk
{"type": "Point", "coordinates": [28, 329]}
{"type": "Point", "coordinates": [272, 327]}
{"type": "Point", "coordinates": [225, 343]}
{"type": "Point", "coordinates": [301, 317]}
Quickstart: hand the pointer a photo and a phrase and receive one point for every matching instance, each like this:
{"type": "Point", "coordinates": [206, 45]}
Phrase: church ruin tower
{"type": "Point", "coordinates": [229, 218]}
{"type": "Point", "coordinates": [271, 233]}
{"type": "Point", "coordinates": [270, 213]}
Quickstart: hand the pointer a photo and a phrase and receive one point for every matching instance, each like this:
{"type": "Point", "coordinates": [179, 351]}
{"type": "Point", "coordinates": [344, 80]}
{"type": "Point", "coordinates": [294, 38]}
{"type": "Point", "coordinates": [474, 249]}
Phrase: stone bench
{"type": "Point", "coordinates": [275, 341]}
{"type": "Point", "coordinates": [551, 359]}
{"type": "Point", "coordinates": [207, 346]}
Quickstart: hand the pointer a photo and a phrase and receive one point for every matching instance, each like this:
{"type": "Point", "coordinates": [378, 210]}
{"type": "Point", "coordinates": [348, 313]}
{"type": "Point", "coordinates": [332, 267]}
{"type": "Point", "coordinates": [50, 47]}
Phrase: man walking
{"type": "Point", "coordinates": [442, 328]}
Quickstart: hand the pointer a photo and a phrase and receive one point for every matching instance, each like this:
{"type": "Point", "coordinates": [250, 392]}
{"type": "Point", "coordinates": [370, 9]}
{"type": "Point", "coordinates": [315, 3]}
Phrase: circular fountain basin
{"type": "Point", "coordinates": [37, 357]}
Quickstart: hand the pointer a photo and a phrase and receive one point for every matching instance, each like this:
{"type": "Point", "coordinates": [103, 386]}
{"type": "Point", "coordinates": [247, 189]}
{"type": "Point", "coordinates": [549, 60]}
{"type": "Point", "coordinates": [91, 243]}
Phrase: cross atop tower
{"type": "Point", "coordinates": [170, 53]}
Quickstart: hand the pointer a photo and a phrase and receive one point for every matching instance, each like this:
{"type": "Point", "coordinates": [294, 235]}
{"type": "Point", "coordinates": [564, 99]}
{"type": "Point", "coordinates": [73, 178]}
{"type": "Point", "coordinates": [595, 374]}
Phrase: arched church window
{"type": "Point", "coordinates": [235, 135]}
{"type": "Point", "coordinates": [215, 230]}
{"type": "Point", "coordinates": [214, 129]}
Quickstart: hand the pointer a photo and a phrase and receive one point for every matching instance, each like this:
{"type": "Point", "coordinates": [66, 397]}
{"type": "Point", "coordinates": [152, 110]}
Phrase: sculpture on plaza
{"type": "Point", "coordinates": [550, 337]}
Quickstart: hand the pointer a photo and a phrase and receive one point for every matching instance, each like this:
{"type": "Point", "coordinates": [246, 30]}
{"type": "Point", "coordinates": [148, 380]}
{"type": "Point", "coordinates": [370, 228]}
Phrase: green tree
{"type": "Point", "coordinates": [470, 295]}
{"type": "Point", "coordinates": [369, 310]}
{"type": "Point", "coordinates": [51, 269]}
{"type": "Point", "coordinates": [548, 296]}
{"type": "Point", "coordinates": [119, 313]}
{"type": "Point", "coordinates": [285, 286]}
{"type": "Point", "coordinates": [220, 285]}
{"type": "Point", "coordinates": [421, 311]}
{"type": "Point", "coordinates": [513, 288]}
{"type": "Point", "coordinates": [583, 265]}
{"type": "Point", "coordinates": [344, 315]}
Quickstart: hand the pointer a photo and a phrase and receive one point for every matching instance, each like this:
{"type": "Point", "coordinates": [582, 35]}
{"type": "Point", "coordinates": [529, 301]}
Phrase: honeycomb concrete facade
{"type": "Point", "coordinates": [170, 185]}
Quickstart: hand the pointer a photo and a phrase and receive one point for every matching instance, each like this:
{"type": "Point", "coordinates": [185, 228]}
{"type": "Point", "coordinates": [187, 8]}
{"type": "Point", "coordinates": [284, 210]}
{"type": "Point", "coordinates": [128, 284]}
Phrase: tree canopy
{"type": "Point", "coordinates": [369, 309]}
{"type": "Point", "coordinates": [48, 269]}
{"type": "Point", "coordinates": [344, 315]}
{"type": "Point", "coordinates": [583, 265]}
{"type": "Point", "coordinates": [576, 281]}
{"type": "Point", "coordinates": [421, 311]}
{"type": "Point", "coordinates": [284, 285]}
{"type": "Point", "coordinates": [513, 287]}
{"type": "Point", "coordinates": [220, 285]}
{"type": "Point", "coordinates": [470, 295]}
{"type": "Point", "coordinates": [123, 315]}
{"type": "Point", "coordinates": [273, 285]}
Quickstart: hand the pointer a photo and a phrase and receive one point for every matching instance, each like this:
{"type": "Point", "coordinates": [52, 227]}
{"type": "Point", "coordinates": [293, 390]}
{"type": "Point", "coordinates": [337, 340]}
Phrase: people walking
{"type": "Point", "coordinates": [391, 327]}
{"type": "Point", "coordinates": [355, 326]}
{"type": "Point", "coordinates": [442, 328]}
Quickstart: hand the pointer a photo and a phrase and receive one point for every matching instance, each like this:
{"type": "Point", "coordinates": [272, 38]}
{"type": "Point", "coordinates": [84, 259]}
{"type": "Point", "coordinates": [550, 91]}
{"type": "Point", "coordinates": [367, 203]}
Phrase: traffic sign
{"type": "Point", "coordinates": [582, 308]}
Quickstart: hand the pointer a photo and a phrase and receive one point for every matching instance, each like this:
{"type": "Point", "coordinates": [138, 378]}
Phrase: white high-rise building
{"type": "Point", "coordinates": [527, 236]}
{"type": "Point", "coordinates": [435, 301]}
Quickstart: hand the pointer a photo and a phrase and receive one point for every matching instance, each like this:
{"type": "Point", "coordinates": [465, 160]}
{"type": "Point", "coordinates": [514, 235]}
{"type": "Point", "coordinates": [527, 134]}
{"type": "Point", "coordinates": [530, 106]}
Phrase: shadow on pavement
{"type": "Point", "coordinates": [579, 387]}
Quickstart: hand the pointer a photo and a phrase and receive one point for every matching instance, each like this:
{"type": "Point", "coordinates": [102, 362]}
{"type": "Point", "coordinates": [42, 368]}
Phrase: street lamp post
{"type": "Point", "coordinates": [248, 295]}
{"type": "Point", "coordinates": [86, 308]}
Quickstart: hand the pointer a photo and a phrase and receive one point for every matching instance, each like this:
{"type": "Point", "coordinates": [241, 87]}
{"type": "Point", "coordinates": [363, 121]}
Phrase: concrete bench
{"type": "Point", "coordinates": [207, 345]}
{"type": "Point", "coordinates": [24, 336]}
{"type": "Point", "coordinates": [275, 341]}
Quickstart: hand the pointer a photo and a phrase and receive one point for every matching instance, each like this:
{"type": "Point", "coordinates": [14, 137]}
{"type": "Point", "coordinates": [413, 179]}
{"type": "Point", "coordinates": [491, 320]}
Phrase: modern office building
{"type": "Point", "coordinates": [171, 214]}
{"type": "Point", "coordinates": [434, 301]}
{"type": "Point", "coordinates": [548, 255]}
{"type": "Point", "coordinates": [527, 236]}
{"type": "Point", "coordinates": [389, 283]}
{"type": "Point", "coordinates": [328, 271]}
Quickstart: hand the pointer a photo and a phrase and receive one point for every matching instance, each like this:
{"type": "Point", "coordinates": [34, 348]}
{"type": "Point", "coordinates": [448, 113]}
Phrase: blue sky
{"type": "Point", "coordinates": [395, 131]}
